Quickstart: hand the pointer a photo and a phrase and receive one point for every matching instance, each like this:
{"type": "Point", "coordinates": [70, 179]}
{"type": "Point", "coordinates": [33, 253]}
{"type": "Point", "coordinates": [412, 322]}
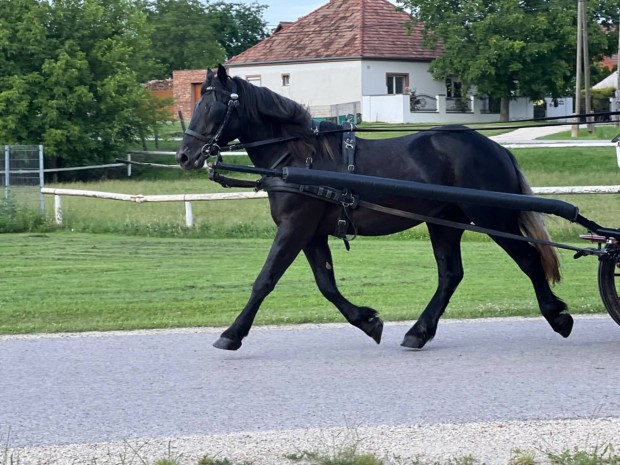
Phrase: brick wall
{"type": "Point", "coordinates": [183, 83]}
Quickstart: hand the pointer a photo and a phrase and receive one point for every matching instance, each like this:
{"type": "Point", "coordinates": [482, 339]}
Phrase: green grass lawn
{"type": "Point", "coordinates": [77, 282]}
{"type": "Point", "coordinates": [117, 265]}
{"type": "Point", "coordinates": [601, 132]}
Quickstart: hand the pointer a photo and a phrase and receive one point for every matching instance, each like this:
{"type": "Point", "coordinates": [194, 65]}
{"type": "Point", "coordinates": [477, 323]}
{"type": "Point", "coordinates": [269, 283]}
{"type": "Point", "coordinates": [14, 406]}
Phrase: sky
{"type": "Point", "coordinates": [286, 10]}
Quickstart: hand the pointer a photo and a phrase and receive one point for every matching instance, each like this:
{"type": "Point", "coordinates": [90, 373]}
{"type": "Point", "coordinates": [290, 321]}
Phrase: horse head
{"type": "Point", "coordinates": [212, 122]}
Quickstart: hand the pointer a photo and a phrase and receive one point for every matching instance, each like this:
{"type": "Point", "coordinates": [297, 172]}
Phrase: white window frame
{"type": "Point", "coordinates": [392, 84]}
{"type": "Point", "coordinates": [254, 79]}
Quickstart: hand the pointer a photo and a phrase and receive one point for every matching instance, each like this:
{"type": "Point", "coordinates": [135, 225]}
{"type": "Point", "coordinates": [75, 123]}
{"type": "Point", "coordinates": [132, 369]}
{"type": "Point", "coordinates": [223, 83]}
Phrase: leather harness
{"type": "Point", "coordinates": [350, 201]}
{"type": "Point", "coordinates": [343, 197]}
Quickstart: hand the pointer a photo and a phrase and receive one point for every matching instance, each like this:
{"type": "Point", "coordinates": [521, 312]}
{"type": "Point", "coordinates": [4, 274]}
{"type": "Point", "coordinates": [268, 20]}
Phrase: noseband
{"type": "Point", "coordinates": [217, 113]}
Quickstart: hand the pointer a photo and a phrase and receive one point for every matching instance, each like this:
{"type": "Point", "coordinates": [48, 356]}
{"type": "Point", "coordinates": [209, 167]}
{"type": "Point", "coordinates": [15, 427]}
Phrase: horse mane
{"type": "Point", "coordinates": [286, 117]}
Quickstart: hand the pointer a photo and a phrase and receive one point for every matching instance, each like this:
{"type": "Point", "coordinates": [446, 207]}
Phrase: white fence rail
{"type": "Point", "coordinates": [139, 198]}
{"type": "Point", "coordinates": [189, 198]}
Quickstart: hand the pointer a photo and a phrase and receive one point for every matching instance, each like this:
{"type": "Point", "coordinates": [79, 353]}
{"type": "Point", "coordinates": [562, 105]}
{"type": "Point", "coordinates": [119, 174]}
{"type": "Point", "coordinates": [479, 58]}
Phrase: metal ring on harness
{"type": "Point", "coordinates": [210, 149]}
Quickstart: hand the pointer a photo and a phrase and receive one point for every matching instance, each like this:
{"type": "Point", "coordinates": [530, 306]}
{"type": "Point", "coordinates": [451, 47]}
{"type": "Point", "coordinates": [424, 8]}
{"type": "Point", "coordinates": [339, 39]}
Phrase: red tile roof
{"type": "Point", "coordinates": [611, 61]}
{"type": "Point", "coordinates": [342, 29]}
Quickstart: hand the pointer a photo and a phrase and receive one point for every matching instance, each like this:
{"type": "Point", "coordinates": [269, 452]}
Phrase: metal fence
{"type": "Point", "coordinates": [23, 177]}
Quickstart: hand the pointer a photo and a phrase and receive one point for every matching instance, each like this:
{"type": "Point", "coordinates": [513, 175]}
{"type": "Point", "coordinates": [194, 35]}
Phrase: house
{"type": "Point", "coordinates": [162, 90]}
{"type": "Point", "coordinates": [609, 81]}
{"type": "Point", "coordinates": [352, 57]}
{"type": "Point", "coordinates": [610, 62]}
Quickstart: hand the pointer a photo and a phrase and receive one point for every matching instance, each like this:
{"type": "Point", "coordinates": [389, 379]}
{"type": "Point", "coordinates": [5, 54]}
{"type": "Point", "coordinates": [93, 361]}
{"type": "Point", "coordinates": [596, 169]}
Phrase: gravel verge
{"type": "Point", "coordinates": [492, 443]}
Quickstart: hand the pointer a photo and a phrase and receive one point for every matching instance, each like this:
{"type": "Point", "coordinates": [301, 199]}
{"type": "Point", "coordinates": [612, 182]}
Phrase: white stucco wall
{"type": "Point", "coordinates": [521, 108]}
{"type": "Point", "coordinates": [396, 109]}
{"type": "Point", "coordinates": [322, 85]}
{"type": "Point", "coordinates": [311, 84]}
{"type": "Point", "coordinates": [374, 73]}
{"type": "Point", "coordinates": [564, 108]}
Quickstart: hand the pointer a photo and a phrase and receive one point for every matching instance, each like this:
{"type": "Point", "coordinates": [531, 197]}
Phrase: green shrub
{"type": "Point", "coordinates": [15, 218]}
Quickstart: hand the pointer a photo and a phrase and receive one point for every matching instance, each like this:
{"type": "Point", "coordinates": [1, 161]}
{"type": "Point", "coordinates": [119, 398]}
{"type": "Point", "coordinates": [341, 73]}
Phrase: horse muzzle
{"type": "Point", "coordinates": [188, 162]}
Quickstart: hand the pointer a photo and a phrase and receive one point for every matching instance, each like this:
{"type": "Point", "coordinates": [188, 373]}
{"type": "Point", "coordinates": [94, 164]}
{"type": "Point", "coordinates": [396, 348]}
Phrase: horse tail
{"type": "Point", "coordinates": [532, 224]}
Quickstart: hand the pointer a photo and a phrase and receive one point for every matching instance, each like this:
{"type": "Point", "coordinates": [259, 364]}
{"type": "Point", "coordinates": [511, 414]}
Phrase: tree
{"type": "Point", "coordinates": [69, 76]}
{"type": "Point", "coordinates": [188, 34]}
{"type": "Point", "coordinates": [184, 35]}
{"type": "Point", "coordinates": [508, 48]}
{"type": "Point", "coordinates": [238, 26]}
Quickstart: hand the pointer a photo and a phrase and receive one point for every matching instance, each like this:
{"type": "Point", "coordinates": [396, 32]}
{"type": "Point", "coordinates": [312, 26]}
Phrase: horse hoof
{"type": "Point", "coordinates": [226, 344]}
{"type": "Point", "coordinates": [376, 330]}
{"type": "Point", "coordinates": [563, 324]}
{"type": "Point", "coordinates": [413, 342]}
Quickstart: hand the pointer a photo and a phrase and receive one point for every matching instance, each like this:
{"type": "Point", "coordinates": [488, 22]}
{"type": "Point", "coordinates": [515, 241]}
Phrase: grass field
{"type": "Point", "coordinates": [601, 132]}
{"type": "Point", "coordinates": [77, 282]}
{"type": "Point", "coordinates": [117, 265]}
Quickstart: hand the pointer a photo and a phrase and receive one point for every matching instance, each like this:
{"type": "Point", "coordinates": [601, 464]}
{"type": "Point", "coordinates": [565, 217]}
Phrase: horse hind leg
{"type": "Point", "coordinates": [552, 308]}
{"type": "Point", "coordinates": [529, 260]}
{"type": "Point", "coordinates": [447, 250]}
{"type": "Point", "coordinates": [320, 259]}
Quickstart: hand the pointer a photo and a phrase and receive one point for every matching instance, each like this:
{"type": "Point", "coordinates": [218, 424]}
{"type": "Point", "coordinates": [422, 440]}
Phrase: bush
{"type": "Point", "coordinates": [15, 218]}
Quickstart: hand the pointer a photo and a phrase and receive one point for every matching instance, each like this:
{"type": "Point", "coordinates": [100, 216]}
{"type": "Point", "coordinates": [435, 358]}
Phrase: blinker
{"type": "Point", "coordinates": [217, 112]}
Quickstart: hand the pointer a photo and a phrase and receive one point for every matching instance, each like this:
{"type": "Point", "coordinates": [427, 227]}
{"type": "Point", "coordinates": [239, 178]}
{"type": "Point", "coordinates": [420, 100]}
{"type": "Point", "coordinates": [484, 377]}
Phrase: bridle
{"type": "Point", "coordinates": [220, 113]}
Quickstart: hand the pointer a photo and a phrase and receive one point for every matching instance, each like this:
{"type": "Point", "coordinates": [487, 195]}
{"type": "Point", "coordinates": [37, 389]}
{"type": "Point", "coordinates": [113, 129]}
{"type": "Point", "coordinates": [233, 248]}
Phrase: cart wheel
{"type": "Point", "coordinates": [609, 284]}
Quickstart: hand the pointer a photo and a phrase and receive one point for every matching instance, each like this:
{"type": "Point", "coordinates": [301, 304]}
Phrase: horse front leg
{"type": "Point", "coordinates": [285, 248]}
{"type": "Point", "coordinates": [447, 250]}
{"type": "Point", "coordinates": [320, 259]}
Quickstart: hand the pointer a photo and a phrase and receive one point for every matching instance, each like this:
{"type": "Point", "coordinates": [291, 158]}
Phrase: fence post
{"type": "Point", "coordinates": [618, 154]}
{"type": "Point", "coordinates": [441, 104]}
{"type": "Point", "coordinates": [129, 165]}
{"type": "Point", "coordinates": [7, 171]}
{"type": "Point", "coordinates": [189, 216]}
{"type": "Point", "coordinates": [41, 180]}
{"type": "Point", "coordinates": [58, 209]}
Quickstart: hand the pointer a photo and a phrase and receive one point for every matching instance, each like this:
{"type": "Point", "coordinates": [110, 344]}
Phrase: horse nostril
{"type": "Point", "coordinates": [183, 159]}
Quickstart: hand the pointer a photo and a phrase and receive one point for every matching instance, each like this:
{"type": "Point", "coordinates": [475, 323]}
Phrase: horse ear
{"type": "Point", "coordinates": [209, 74]}
{"type": "Point", "coordinates": [221, 74]}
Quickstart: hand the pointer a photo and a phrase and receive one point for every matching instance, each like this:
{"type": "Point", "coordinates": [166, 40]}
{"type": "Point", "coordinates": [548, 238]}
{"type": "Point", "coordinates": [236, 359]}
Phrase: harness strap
{"type": "Point", "coordinates": [329, 194]}
{"type": "Point", "coordinates": [348, 154]}
{"type": "Point", "coordinates": [337, 196]}
{"type": "Point", "coordinates": [225, 181]}
{"type": "Point", "coordinates": [348, 146]}
{"type": "Point", "coordinates": [343, 197]}
{"type": "Point", "coordinates": [472, 227]}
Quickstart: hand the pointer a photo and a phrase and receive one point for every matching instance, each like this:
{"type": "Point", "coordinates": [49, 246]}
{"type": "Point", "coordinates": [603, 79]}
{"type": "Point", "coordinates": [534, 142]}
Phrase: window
{"type": "Point", "coordinates": [255, 79]}
{"type": "Point", "coordinates": [454, 89]}
{"type": "Point", "coordinates": [286, 79]}
{"type": "Point", "coordinates": [397, 83]}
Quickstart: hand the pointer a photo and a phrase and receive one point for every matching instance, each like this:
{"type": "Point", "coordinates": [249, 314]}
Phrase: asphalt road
{"type": "Point", "coordinates": [108, 387]}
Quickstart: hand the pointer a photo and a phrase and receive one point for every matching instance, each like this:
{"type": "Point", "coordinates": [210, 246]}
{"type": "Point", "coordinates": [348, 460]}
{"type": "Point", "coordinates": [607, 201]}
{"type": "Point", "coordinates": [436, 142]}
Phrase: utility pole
{"type": "Point", "coordinates": [617, 118]}
{"type": "Point", "coordinates": [586, 64]}
{"type": "Point", "coordinates": [577, 109]}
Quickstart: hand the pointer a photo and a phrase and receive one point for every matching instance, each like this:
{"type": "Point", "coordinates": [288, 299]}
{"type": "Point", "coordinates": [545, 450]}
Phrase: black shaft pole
{"type": "Point", "coordinates": [365, 184]}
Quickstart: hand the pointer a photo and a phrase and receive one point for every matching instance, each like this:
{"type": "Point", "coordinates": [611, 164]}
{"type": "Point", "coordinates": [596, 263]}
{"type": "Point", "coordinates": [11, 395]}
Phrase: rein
{"type": "Point", "coordinates": [482, 128]}
{"type": "Point", "coordinates": [276, 140]}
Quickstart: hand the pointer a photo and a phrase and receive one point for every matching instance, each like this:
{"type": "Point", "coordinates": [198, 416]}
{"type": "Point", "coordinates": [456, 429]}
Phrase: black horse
{"type": "Point", "coordinates": [231, 108]}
